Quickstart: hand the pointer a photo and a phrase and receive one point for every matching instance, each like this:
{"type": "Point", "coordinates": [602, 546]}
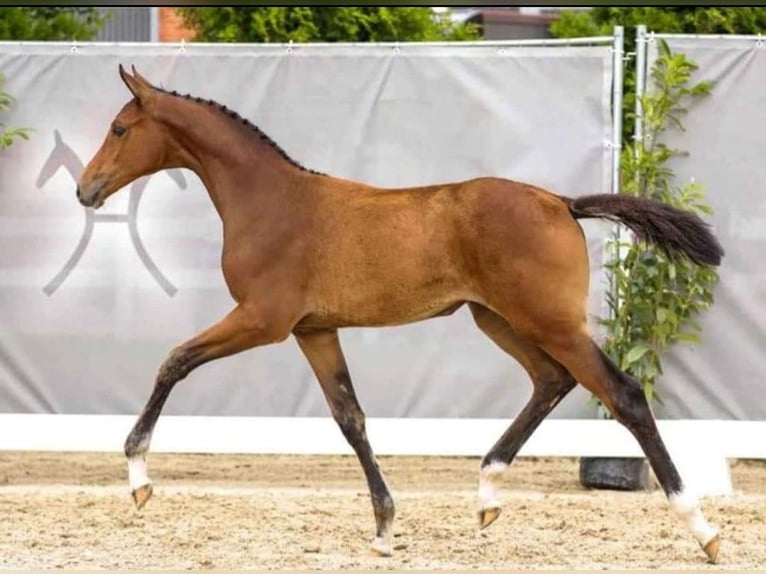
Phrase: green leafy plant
{"type": "Point", "coordinates": [325, 24]}
{"type": "Point", "coordinates": [35, 23]}
{"type": "Point", "coordinates": [7, 134]}
{"type": "Point", "coordinates": [655, 300]}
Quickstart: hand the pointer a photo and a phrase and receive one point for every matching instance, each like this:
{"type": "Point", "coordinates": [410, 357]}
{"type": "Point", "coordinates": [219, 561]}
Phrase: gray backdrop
{"type": "Point", "coordinates": [726, 137]}
{"type": "Point", "coordinates": [87, 335]}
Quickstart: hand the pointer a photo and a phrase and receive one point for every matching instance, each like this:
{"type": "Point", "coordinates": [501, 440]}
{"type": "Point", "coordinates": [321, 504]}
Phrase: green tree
{"type": "Point", "coordinates": [326, 24]}
{"type": "Point", "coordinates": [600, 21]}
{"type": "Point", "coordinates": [41, 23]}
{"type": "Point", "coordinates": [657, 299]}
{"type": "Point", "coordinates": [8, 134]}
{"type": "Point", "coordinates": [667, 19]}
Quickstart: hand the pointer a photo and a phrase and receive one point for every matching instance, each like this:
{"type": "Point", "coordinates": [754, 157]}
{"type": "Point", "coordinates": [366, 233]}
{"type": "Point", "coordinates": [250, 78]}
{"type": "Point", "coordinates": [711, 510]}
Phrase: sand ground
{"type": "Point", "coordinates": [72, 510]}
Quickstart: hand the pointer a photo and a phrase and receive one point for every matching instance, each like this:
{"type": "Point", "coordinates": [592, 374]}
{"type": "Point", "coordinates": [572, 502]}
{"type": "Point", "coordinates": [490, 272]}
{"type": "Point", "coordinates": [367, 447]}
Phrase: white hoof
{"type": "Point", "coordinates": [382, 547]}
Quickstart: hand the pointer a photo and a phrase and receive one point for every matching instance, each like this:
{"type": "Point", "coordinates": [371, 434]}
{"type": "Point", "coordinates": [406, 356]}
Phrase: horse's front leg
{"type": "Point", "coordinates": [243, 328]}
{"type": "Point", "coordinates": [322, 349]}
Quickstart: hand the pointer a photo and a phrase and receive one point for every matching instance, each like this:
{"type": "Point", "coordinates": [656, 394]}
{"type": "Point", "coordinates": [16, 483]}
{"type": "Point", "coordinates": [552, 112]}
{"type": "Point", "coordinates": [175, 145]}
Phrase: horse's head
{"type": "Point", "coordinates": [136, 145]}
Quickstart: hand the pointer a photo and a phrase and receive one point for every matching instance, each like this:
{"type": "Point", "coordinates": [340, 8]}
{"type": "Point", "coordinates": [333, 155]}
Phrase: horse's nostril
{"type": "Point", "coordinates": [78, 192]}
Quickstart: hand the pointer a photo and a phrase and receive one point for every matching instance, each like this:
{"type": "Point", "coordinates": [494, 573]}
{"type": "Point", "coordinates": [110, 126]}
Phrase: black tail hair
{"type": "Point", "coordinates": [675, 231]}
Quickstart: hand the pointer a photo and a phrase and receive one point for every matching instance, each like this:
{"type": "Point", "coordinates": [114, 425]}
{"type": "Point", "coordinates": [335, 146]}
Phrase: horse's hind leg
{"type": "Point", "coordinates": [323, 351]}
{"type": "Point", "coordinates": [625, 398]}
{"type": "Point", "coordinates": [551, 383]}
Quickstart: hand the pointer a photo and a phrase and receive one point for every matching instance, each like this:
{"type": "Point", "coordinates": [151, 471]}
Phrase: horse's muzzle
{"type": "Point", "coordinates": [91, 195]}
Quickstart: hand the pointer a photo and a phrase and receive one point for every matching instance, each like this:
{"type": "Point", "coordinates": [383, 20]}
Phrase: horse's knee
{"type": "Point", "coordinates": [176, 366]}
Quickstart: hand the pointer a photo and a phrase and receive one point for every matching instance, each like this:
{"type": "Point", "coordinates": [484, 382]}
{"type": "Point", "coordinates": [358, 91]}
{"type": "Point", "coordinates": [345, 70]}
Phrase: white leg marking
{"type": "Point", "coordinates": [487, 484]}
{"type": "Point", "coordinates": [384, 545]}
{"type": "Point", "coordinates": [137, 476]}
{"type": "Point", "coordinates": [687, 506]}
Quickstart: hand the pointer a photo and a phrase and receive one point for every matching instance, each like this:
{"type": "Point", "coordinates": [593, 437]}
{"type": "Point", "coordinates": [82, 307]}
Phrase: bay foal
{"type": "Point", "coordinates": [306, 254]}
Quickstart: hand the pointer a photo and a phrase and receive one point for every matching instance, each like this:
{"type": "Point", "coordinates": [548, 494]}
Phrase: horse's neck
{"type": "Point", "coordinates": [246, 179]}
{"type": "Point", "coordinates": [239, 170]}
{"type": "Point", "coordinates": [246, 176]}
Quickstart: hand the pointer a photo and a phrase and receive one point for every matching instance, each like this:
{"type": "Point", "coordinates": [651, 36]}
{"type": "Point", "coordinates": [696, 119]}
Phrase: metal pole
{"type": "Point", "coordinates": [618, 62]}
{"type": "Point", "coordinates": [154, 24]}
{"type": "Point", "coordinates": [617, 93]}
{"type": "Point", "coordinates": [728, 37]}
{"type": "Point", "coordinates": [641, 47]}
{"type": "Point", "coordinates": [529, 43]}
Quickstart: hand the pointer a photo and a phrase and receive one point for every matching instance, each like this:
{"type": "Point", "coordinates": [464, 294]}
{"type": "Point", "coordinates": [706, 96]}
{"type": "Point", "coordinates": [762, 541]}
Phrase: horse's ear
{"type": "Point", "coordinates": [140, 88]}
{"type": "Point", "coordinates": [57, 136]}
{"type": "Point", "coordinates": [139, 77]}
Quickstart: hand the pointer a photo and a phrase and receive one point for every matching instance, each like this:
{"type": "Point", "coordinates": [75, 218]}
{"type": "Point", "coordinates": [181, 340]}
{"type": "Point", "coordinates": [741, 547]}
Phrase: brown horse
{"type": "Point", "coordinates": [307, 254]}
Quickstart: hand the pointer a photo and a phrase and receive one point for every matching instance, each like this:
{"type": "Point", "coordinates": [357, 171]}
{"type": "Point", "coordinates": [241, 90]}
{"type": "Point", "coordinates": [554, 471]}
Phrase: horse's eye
{"type": "Point", "coordinates": [118, 130]}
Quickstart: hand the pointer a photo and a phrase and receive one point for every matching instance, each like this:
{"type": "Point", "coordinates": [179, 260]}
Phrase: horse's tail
{"type": "Point", "coordinates": [673, 230]}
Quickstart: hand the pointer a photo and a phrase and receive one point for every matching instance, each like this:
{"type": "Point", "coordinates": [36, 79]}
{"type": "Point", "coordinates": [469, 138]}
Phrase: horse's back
{"type": "Point", "coordinates": [401, 255]}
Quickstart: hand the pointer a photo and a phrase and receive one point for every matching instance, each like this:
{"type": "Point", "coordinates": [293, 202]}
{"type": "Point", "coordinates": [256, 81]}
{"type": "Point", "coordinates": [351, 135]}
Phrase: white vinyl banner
{"type": "Point", "coordinates": [91, 303]}
{"type": "Point", "coordinates": [725, 137]}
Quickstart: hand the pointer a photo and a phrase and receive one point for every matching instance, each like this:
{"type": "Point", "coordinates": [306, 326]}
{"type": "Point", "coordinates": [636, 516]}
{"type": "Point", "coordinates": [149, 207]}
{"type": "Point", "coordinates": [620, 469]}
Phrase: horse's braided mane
{"type": "Point", "coordinates": [244, 121]}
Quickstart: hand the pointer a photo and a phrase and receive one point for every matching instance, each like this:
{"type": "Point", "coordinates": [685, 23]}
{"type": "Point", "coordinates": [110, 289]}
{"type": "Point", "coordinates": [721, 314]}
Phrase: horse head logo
{"type": "Point", "coordinates": [63, 156]}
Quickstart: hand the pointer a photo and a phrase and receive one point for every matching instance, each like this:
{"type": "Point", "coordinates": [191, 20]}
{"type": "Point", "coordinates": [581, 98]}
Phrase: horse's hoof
{"type": "Point", "coordinates": [487, 516]}
{"type": "Point", "coordinates": [141, 495]}
{"type": "Point", "coordinates": [380, 548]}
{"type": "Point", "coordinates": [711, 549]}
